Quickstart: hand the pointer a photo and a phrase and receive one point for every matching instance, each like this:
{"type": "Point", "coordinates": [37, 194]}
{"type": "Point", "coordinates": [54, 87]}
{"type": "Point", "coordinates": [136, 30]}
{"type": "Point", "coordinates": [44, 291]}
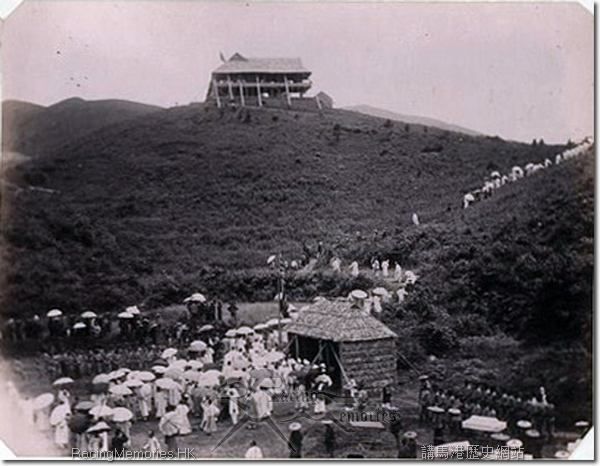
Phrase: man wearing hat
{"type": "Point", "coordinates": [169, 428]}
{"type": "Point", "coordinates": [329, 439]}
{"type": "Point", "coordinates": [395, 428]}
{"type": "Point", "coordinates": [295, 440]}
{"type": "Point", "coordinates": [408, 446]}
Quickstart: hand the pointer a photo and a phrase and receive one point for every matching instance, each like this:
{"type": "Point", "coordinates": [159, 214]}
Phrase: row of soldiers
{"type": "Point", "coordinates": [83, 363]}
{"type": "Point", "coordinates": [58, 335]}
{"type": "Point", "coordinates": [482, 400]}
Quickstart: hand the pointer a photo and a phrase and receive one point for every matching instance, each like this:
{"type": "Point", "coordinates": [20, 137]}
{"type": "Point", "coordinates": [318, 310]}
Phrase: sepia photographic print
{"type": "Point", "coordinates": [297, 230]}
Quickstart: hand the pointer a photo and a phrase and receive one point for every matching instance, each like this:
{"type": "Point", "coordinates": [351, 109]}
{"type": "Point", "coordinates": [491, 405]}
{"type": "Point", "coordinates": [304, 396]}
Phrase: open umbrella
{"type": "Point", "coordinates": [173, 373]}
{"type": "Point", "coordinates": [79, 325]}
{"type": "Point", "coordinates": [209, 378]}
{"type": "Point", "coordinates": [359, 294]}
{"type": "Point", "coordinates": [234, 375]}
{"type": "Point", "coordinates": [192, 375]}
{"type": "Point", "coordinates": [286, 320]}
{"type": "Point", "coordinates": [54, 313]}
{"type": "Point", "coordinates": [121, 390]}
{"type": "Point", "coordinates": [62, 381]}
{"type": "Point", "coordinates": [125, 315]}
{"type": "Point", "coordinates": [84, 406]}
{"type": "Point", "coordinates": [272, 322]}
{"type": "Point", "coordinates": [122, 415]}
{"type": "Point", "coordinates": [98, 427]}
{"type": "Point", "coordinates": [43, 401]}
{"type": "Point", "coordinates": [195, 364]}
{"type": "Point", "coordinates": [133, 310]}
{"type": "Point", "coordinates": [260, 374]}
{"type": "Point", "coordinates": [160, 362]}
{"type": "Point", "coordinates": [198, 346]}
{"type": "Point", "coordinates": [116, 374]}
{"type": "Point", "coordinates": [230, 333]}
{"type": "Point", "coordinates": [274, 356]}
{"type": "Point", "coordinates": [195, 298]}
{"type": "Point", "coordinates": [133, 375]}
{"type": "Point", "coordinates": [146, 376]}
{"type": "Point", "coordinates": [380, 291]}
{"type": "Point", "coordinates": [244, 331]}
{"type": "Point", "coordinates": [88, 315]}
{"type": "Point", "coordinates": [239, 364]}
{"type": "Point", "coordinates": [168, 353]}
{"type": "Point", "coordinates": [206, 328]}
{"type": "Point", "coordinates": [166, 384]}
{"type": "Point", "coordinates": [59, 413]}
{"type": "Point", "coordinates": [179, 364]}
{"type": "Point", "coordinates": [159, 369]}
{"type": "Point", "coordinates": [101, 411]}
{"type": "Point", "coordinates": [101, 378]}
{"type": "Point", "coordinates": [266, 383]}
{"type": "Point", "coordinates": [133, 383]}
{"type": "Point", "coordinates": [260, 327]}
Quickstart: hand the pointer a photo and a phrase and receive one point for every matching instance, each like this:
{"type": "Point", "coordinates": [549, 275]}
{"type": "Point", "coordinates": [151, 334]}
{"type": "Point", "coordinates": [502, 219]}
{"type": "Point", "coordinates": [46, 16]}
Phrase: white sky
{"type": "Point", "coordinates": [519, 70]}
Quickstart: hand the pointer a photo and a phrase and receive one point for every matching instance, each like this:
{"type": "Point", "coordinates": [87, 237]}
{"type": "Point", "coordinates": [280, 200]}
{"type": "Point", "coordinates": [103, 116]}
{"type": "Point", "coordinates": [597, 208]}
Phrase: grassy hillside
{"type": "Point", "coordinates": [153, 206]}
{"type": "Point", "coordinates": [35, 130]}
{"type": "Point", "coordinates": [191, 198]}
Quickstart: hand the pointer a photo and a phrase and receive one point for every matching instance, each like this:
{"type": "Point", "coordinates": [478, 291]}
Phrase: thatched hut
{"type": "Point", "coordinates": [351, 342]}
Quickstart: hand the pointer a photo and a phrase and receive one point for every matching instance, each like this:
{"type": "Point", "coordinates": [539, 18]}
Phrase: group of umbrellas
{"type": "Point", "coordinates": [128, 313]}
{"type": "Point", "coordinates": [245, 331]}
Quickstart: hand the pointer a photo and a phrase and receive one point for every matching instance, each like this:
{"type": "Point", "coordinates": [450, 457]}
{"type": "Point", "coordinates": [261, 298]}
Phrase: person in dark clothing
{"type": "Point", "coordinates": [395, 428]}
{"type": "Point", "coordinates": [438, 433]}
{"type": "Point", "coordinates": [119, 441]}
{"type": "Point", "coordinates": [233, 309]}
{"type": "Point", "coordinates": [408, 446]}
{"type": "Point", "coordinates": [295, 440]}
{"type": "Point", "coordinates": [329, 439]}
{"type": "Point", "coordinates": [386, 397]}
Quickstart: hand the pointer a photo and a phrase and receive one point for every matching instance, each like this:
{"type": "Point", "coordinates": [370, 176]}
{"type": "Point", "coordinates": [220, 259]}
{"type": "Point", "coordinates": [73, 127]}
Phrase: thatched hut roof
{"type": "Point", "coordinates": [341, 320]}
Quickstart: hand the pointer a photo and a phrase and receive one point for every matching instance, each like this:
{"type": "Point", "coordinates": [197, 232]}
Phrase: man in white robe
{"type": "Point", "coordinates": [385, 266]}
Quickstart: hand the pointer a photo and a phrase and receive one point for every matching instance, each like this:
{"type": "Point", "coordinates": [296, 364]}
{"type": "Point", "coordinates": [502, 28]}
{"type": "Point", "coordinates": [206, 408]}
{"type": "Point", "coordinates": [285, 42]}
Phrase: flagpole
{"type": "Point", "coordinates": [281, 292]}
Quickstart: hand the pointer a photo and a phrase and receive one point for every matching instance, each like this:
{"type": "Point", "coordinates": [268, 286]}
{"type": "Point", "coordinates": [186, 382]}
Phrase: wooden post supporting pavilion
{"type": "Point", "coordinates": [230, 87]}
{"type": "Point", "coordinates": [258, 92]}
{"type": "Point", "coordinates": [287, 91]}
{"type": "Point", "coordinates": [243, 101]}
{"type": "Point", "coordinates": [216, 91]}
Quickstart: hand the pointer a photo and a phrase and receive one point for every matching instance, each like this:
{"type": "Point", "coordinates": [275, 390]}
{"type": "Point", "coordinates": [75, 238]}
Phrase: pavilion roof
{"type": "Point", "coordinates": [240, 64]}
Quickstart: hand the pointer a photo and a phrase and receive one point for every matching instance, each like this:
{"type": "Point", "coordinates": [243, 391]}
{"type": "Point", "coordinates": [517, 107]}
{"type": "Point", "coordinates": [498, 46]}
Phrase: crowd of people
{"type": "Point", "coordinates": [57, 332]}
{"type": "Point", "coordinates": [231, 376]}
{"type": "Point", "coordinates": [496, 180]}
{"type": "Point", "coordinates": [447, 408]}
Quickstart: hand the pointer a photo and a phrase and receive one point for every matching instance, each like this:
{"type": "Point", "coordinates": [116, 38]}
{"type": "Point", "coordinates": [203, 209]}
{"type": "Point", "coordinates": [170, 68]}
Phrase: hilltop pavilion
{"type": "Point", "coordinates": [273, 82]}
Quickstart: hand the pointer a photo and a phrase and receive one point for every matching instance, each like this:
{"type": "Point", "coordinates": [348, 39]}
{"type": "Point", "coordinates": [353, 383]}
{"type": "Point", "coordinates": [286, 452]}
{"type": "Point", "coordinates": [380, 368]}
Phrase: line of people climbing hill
{"type": "Point", "coordinates": [496, 180]}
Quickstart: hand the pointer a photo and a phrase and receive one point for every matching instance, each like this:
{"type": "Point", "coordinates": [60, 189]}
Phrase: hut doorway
{"type": "Point", "coordinates": [320, 351]}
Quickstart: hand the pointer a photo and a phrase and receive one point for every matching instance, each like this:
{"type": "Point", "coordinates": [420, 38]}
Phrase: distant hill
{"type": "Point", "coordinates": [381, 113]}
{"type": "Point", "coordinates": [34, 130]}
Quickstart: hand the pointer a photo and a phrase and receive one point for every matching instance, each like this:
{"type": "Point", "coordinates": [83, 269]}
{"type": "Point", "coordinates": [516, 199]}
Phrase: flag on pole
{"type": "Point", "coordinates": [222, 57]}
